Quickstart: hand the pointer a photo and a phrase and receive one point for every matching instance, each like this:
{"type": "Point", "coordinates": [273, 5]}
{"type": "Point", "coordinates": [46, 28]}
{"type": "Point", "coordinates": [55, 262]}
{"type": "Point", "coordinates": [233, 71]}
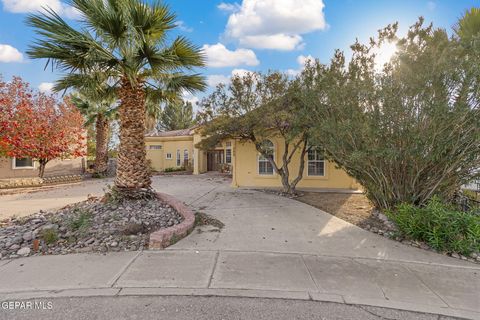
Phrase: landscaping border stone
{"type": "Point", "coordinates": [165, 237]}
{"type": "Point", "coordinates": [28, 182]}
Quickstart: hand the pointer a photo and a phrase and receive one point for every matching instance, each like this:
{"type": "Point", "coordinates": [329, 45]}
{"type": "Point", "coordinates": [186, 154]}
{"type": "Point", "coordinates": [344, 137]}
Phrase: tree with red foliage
{"type": "Point", "coordinates": [35, 125]}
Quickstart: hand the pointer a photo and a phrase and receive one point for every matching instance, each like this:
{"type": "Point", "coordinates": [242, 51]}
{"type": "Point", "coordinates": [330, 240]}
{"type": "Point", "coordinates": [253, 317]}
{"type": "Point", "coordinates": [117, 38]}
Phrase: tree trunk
{"type": "Point", "coordinates": [101, 148]}
{"type": "Point", "coordinates": [133, 174]}
{"type": "Point", "coordinates": [41, 168]}
{"type": "Point", "coordinates": [301, 167]}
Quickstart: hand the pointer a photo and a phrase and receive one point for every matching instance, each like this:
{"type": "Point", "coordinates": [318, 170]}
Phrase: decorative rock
{"type": "Point", "coordinates": [104, 230]}
{"type": "Point", "coordinates": [17, 240]}
{"type": "Point", "coordinates": [455, 255]}
{"type": "Point", "coordinates": [27, 236]}
{"type": "Point", "coordinates": [25, 251]}
{"type": "Point", "coordinates": [49, 226]}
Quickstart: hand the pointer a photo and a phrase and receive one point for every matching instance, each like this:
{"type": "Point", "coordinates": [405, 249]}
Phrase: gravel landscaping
{"type": "Point", "coordinates": [92, 225]}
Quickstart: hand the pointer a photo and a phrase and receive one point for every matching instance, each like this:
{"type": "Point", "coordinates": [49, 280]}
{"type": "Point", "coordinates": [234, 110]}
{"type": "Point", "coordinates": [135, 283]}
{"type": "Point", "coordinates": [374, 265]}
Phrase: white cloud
{"type": "Point", "coordinates": [274, 24]}
{"type": "Point", "coordinates": [302, 61]}
{"type": "Point", "coordinates": [240, 72]}
{"type": "Point", "coordinates": [183, 26]}
{"type": "Point", "coordinates": [219, 56]}
{"type": "Point", "coordinates": [27, 6]}
{"type": "Point", "coordinates": [215, 79]}
{"type": "Point", "coordinates": [45, 87]}
{"type": "Point", "coordinates": [275, 41]}
{"type": "Point", "coordinates": [10, 54]}
{"type": "Point", "coordinates": [187, 96]}
{"type": "Point", "coordinates": [431, 5]}
{"type": "Point", "coordinates": [229, 7]}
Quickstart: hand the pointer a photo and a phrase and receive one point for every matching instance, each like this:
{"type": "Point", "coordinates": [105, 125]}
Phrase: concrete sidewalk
{"type": "Point", "coordinates": [431, 288]}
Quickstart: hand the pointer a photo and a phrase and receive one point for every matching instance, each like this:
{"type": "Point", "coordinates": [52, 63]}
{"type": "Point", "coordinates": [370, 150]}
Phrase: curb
{"type": "Point", "coordinates": [165, 237]}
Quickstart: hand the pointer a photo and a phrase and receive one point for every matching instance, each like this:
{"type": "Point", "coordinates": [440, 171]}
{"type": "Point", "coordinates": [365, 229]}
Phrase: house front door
{"type": "Point", "coordinates": [214, 160]}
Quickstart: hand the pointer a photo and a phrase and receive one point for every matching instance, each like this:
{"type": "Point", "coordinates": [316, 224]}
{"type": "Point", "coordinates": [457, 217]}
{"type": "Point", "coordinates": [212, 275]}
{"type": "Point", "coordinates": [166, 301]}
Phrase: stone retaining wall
{"type": "Point", "coordinates": [165, 237]}
{"type": "Point", "coordinates": [38, 182]}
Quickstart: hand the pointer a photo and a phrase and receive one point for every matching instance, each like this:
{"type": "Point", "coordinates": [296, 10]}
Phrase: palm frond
{"type": "Point", "coordinates": [65, 47]}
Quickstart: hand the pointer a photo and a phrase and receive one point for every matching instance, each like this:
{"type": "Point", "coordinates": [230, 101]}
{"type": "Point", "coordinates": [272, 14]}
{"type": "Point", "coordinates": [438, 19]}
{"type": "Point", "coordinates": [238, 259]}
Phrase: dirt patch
{"type": "Point", "coordinates": [353, 208]}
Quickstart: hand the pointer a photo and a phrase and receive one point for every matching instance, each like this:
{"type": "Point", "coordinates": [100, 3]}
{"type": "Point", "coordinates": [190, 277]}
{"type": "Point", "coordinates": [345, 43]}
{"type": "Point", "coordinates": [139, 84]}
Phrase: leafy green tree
{"type": "Point", "coordinates": [129, 39]}
{"type": "Point", "coordinates": [177, 115]}
{"type": "Point", "coordinates": [254, 108]}
{"type": "Point", "coordinates": [409, 131]}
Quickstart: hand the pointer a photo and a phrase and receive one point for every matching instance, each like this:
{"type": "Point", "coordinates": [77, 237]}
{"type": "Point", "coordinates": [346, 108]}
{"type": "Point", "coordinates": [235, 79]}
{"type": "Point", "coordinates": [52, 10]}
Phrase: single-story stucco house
{"type": "Point", "coordinates": [27, 168]}
{"type": "Point", "coordinates": [175, 149]}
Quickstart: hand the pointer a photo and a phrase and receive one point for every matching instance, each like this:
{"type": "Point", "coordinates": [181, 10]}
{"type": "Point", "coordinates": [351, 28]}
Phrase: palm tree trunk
{"type": "Point", "coordinates": [133, 174]}
{"type": "Point", "coordinates": [101, 148]}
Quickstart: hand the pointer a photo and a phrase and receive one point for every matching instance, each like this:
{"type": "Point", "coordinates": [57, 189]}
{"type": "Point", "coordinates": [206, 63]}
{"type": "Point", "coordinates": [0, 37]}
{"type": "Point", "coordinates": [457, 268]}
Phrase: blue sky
{"type": "Point", "coordinates": [244, 35]}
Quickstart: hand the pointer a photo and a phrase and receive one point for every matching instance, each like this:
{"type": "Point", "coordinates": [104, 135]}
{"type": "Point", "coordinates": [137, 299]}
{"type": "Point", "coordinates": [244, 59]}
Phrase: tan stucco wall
{"type": "Point", "coordinates": [245, 172]}
{"type": "Point", "coordinates": [169, 145]}
{"type": "Point", "coordinates": [53, 168]}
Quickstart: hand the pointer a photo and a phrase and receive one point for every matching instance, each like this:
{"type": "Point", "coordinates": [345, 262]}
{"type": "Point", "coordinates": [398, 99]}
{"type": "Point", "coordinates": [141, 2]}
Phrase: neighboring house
{"type": "Point", "coordinates": [174, 149]}
{"type": "Point", "coordinates": [26, 167]}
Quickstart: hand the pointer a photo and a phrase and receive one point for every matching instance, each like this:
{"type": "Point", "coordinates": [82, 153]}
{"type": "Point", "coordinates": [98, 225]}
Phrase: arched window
{"type": "Point", "coordinates": [264, 165]}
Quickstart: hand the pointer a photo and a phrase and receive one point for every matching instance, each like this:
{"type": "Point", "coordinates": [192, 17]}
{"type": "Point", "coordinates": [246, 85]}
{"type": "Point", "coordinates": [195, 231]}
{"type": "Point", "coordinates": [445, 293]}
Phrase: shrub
{"type": "Point", "coordinates": [49, 236]}
{"type": "Point", "coordinates": [172, 169]}
{"type": "Point", "coordinates": [81, 220]}
{"type": "Point", "coordinates": [439, 225]}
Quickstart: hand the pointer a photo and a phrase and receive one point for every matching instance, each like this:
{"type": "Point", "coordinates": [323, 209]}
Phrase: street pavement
{"type": "Point", "coordinates": [206, 308]}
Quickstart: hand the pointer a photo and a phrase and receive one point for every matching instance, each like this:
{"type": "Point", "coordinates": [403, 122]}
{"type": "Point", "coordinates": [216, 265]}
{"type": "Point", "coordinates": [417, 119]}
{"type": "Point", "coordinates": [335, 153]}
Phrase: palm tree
{"type": "Point", "coordinates": [96, 100]}
{"type": "Point", "coordinates": [127, 39]}
{"type": "Point", "coordinates": [468, 26]}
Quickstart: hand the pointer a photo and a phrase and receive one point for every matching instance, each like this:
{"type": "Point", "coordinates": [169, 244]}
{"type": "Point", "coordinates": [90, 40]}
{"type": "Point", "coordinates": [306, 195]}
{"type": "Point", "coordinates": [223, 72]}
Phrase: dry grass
{"type": "Point", "coordinates": [353, 208]}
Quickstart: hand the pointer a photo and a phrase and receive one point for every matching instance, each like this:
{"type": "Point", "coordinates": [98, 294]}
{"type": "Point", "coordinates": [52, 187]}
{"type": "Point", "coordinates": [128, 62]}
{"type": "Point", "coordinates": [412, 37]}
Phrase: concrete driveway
{"type": "Point", "coordinates": [254, 221]}
{"type": "Point", "coordinates": [270, 246]}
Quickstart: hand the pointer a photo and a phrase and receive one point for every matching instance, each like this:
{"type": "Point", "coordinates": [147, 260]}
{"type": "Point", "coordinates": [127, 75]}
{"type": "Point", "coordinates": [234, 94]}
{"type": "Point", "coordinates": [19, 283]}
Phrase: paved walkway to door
{"type": "Point", "coordinates": [270, 247]}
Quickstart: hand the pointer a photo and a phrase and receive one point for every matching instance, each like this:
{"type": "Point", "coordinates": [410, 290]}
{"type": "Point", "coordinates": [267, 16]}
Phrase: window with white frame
{"type": "Point", "coordinates": [155, 147]}
{"type": "Point", "coordinates": [228, 152]}
{"type": "Point", "coordinates": [178, 158]}
{"type": "Point", "coordinates": [169, 156]}
{"type": "Point", "coordinates": [185, 155]}
{"type": "Point", "coordinates": [316, 162]}
{"type": "Point", "coordinates": [23, 163]}
{"type": "Point", "coordinates": [264, 165]}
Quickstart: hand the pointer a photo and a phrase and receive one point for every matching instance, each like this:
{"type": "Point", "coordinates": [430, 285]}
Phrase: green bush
{"type": "Point", "coordinates": [81, 220]}
{"type": "Point", "coordinates": [174, 169]}
{"type": "Point", "coordinates": [439, 225]}
{"type": "Point", "coordinates": [49, 236]}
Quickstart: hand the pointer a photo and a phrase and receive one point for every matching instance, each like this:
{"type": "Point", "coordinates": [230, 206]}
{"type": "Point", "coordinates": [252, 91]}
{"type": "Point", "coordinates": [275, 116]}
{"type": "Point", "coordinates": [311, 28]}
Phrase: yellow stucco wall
{"type": "Point", "coordinates": [245, 172]}
{"type": "Point", "coordinates": [200, 165]}
{"type": "Point", "coordinates": [244, 162]}
{"type": "Point", "coordinates": [158, 157]}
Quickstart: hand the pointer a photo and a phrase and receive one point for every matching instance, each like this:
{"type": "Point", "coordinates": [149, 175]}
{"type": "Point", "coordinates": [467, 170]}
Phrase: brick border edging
{"type": "Point", "coordinates": [164, 237]}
